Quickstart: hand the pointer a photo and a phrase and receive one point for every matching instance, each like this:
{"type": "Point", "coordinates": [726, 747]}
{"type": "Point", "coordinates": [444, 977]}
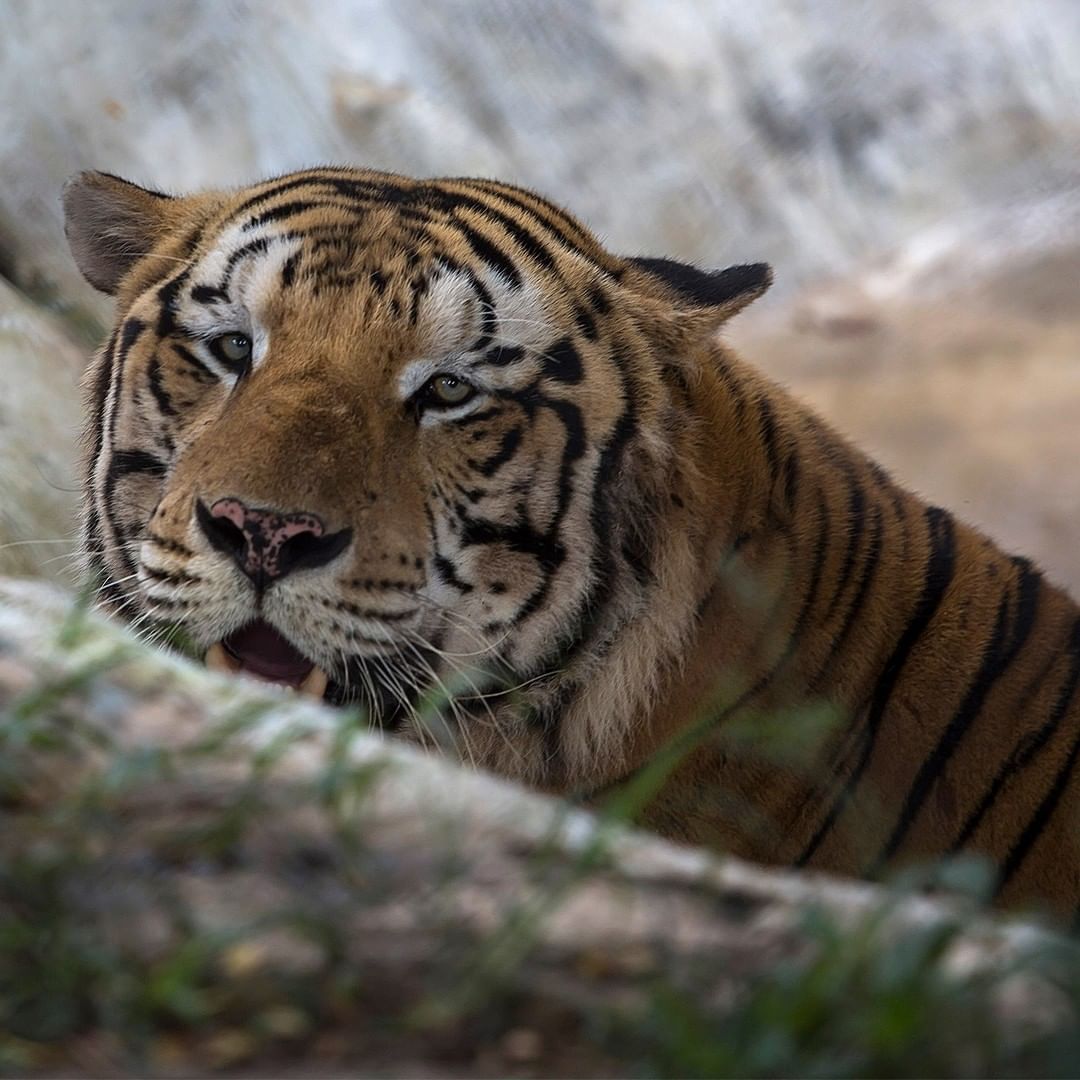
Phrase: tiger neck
{"type": "Point", "coordinates": [771, 514]}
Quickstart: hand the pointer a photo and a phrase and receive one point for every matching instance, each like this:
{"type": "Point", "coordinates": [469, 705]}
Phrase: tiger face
{"type": "Point", "coordinates": [396, 442]}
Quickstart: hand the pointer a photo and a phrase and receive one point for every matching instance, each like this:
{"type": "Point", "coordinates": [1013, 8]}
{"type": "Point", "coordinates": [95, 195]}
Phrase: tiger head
{"type": "Point", "coordinates": [398, 442]}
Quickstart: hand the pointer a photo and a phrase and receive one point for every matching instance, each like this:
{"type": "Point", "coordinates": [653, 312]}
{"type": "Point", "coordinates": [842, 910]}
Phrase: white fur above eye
{"type": "Point", "coordinates": [451, 316]}
{"type": "Point", "coordinates": [254, 282]}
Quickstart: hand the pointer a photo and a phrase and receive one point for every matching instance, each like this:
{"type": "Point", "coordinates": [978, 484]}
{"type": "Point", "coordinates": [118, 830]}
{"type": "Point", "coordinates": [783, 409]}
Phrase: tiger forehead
{"type": "Point", "coordinates": [359, 192]}
{"type": "Point", "coordinates": [351, 222]}
{"type": "Point", "coordinates": [447, 259]}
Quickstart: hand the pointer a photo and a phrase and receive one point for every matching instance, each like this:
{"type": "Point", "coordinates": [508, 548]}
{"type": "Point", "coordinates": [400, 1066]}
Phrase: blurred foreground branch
{"type": "Point", "coordinates": [197, 874]}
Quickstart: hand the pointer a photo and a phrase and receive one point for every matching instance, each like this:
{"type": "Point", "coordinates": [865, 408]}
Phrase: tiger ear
{"type": "Point", "coordinates": [109, 224]}
{"type": "Point", "coordinates": [710, 297]}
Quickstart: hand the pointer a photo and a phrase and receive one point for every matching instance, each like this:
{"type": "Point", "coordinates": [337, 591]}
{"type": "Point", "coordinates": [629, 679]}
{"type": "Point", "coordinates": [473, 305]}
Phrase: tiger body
{"type": "Point", "coordinates": [662, 560]}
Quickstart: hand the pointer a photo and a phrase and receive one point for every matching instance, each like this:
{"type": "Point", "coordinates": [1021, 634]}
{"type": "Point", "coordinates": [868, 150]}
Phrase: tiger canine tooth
{"type": "Point", "coordinates": [217, 659]}
{"type": "Point", "coordinates": [315, 684]}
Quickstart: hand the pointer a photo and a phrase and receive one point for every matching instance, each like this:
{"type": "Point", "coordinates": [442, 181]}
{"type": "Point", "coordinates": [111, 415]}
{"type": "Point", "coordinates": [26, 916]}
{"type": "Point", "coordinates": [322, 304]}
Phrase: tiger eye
{"type": "Point", "coordinates": [449, 389]}
{"type": "Point", "coordinates": [236, 348]}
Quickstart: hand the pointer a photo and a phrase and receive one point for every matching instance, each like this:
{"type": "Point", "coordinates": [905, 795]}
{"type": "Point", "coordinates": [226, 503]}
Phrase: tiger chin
{"type": "Point", "coordinates": [426, 447]}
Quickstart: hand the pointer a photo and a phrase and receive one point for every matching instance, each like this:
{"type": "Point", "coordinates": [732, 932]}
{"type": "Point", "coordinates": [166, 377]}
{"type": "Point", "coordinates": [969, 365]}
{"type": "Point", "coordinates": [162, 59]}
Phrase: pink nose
{"type": "Point", "coordinates": [267, 545]}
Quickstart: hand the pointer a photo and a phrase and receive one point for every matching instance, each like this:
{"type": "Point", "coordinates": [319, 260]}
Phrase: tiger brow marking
{"type": "Point", "coordinates": [430, 198]}
{"type": "Point", "coordinates": [580, 242]}
{"type": "Point", "coordinates": [313, 178]}
{"type": "Point", "coordinates": [1005, 644]}
{"type": "Point", "coordinates": [489, 252]}
{"type": "Point", "coordinates": [941, 564]}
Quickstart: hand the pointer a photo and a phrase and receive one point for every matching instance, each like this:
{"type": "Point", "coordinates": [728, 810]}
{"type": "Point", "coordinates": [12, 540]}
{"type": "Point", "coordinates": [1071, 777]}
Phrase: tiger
{"type": "Point", "coordinates": [426, 449]}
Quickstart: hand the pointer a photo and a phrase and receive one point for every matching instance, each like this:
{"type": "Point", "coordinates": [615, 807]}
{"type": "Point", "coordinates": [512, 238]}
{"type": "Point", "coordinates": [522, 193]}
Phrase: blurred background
{"type": "Point", "coordinates": [911, 168]}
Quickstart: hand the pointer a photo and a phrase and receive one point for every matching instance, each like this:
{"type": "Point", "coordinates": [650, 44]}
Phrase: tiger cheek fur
{"type": "Point", "coordinates": [397, 441]}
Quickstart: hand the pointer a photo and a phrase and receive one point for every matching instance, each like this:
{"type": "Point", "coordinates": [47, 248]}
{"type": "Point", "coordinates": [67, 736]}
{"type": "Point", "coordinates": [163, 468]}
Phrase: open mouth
{"type": "Point", "coordinates": [260, 651]}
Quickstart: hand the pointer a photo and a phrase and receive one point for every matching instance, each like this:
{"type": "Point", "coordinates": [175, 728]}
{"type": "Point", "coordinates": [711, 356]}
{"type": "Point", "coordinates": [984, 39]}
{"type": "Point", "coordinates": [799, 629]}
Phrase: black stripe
{"type": "Point", "coordinates": [288, 269]}
{"type": "Point", "coordinates": [856, 520]}
{"type": "Point", "coordinates": [100, 394]}
{"type": "Point", "coordinates": [855, 608]}
{"type": "Point", "coordinates": [1035, 827]}
{"type": "Point", "coordinates": [174, 547]}
{"type": "Point", "coordinates": [484, 301]}
{"type": "Point", "coordinates": [166, 298]}
{"type": "Point", "coordinates": [1039, 820]}
{"type": "Point", "coordinates": [447, 573]}
{"type": "Point", "coordinates": [563, 362]}
{"type": "Point", "coordinates": [295, 208]}
{"type": "Point", "coordinates": [511, 440]}
{"type": "Point", "coordinates": [167, 292]}
{"type": "Point", "coordinates": [735, 390]}
{"type": "Point", "coordinates": [130, 332]}
{"type": "Point", "coordinates": [565, 227]}
{"type": "Point", "coordinates": [170, 577]}
{"type": "Point", "coordinates": [488, 253]}
{"type": "Point", "coordinates": [1005, 643]}
{"type": "Point", "coordinates": [1028, 745]}
{"type": "Point", "coordinates": [937, 578]}
{"type": "Point", "coordinates": [153, 377]}
{"type": "Point", "coordinates": [252, 247]}
{"type": "Point", "coordinates": [605, 510]}
{"type": "Point", "coordinates": [488, 318]}
{"type": "Point", "coordinates": [502, 355]}
{"type": "Point", "coordinates": [545, 546]}
{"type": "Point", "coordinates": [421, 200]}
{"type": "Point", "coordinates": [791, 480]}
{"type": "Point", "coordinates": [199, 369]}
{"type": "Point", "coordinates": [527, 241]}
{"type": "Point", "coordinates": [586, 323]}
{"type": "Point", "coordinates": [313, 178]}
{"type": "Point", "coordinates": [99, 398]}
{"type": "Point", "coordinates": [207, 295]}
{"type": "Point", "coordinates": [480, 417]}
{"type": "Point", "coordinates": [126, 462]}
{"type": "Point", "coordinates": [768, 435]}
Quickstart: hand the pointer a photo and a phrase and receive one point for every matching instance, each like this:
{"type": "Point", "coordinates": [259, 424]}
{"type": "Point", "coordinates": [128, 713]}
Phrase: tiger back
{"type": "Point", "coordinates": [391, 441]}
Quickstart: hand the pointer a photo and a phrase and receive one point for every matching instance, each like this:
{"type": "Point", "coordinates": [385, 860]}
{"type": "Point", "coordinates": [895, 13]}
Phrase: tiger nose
{"type": "Point", "coordinates": [268, 545]}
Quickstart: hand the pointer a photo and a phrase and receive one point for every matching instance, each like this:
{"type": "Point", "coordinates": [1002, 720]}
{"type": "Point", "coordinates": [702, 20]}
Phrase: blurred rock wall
{"type": "Point", "coordinates": [910, 167]}
{"type": "Point", "coordinates": [812, 133]}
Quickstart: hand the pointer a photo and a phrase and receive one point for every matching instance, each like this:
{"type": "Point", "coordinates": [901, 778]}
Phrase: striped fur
{"type": "Point", "coordinates": [626, 541]}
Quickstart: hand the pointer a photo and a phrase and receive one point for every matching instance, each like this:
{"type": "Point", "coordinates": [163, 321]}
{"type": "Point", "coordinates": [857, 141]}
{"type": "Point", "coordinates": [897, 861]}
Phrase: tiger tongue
{"type": "Point", "coordinates": [260, 650]}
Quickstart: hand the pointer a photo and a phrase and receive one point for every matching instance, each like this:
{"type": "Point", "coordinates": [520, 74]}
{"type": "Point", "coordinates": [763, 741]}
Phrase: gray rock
{"type": "Point", "coordinates": [39, 426]}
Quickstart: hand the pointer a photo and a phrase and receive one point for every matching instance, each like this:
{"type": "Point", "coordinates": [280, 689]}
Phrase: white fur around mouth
{"type": "Point", "coordinates": [218, 658]}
